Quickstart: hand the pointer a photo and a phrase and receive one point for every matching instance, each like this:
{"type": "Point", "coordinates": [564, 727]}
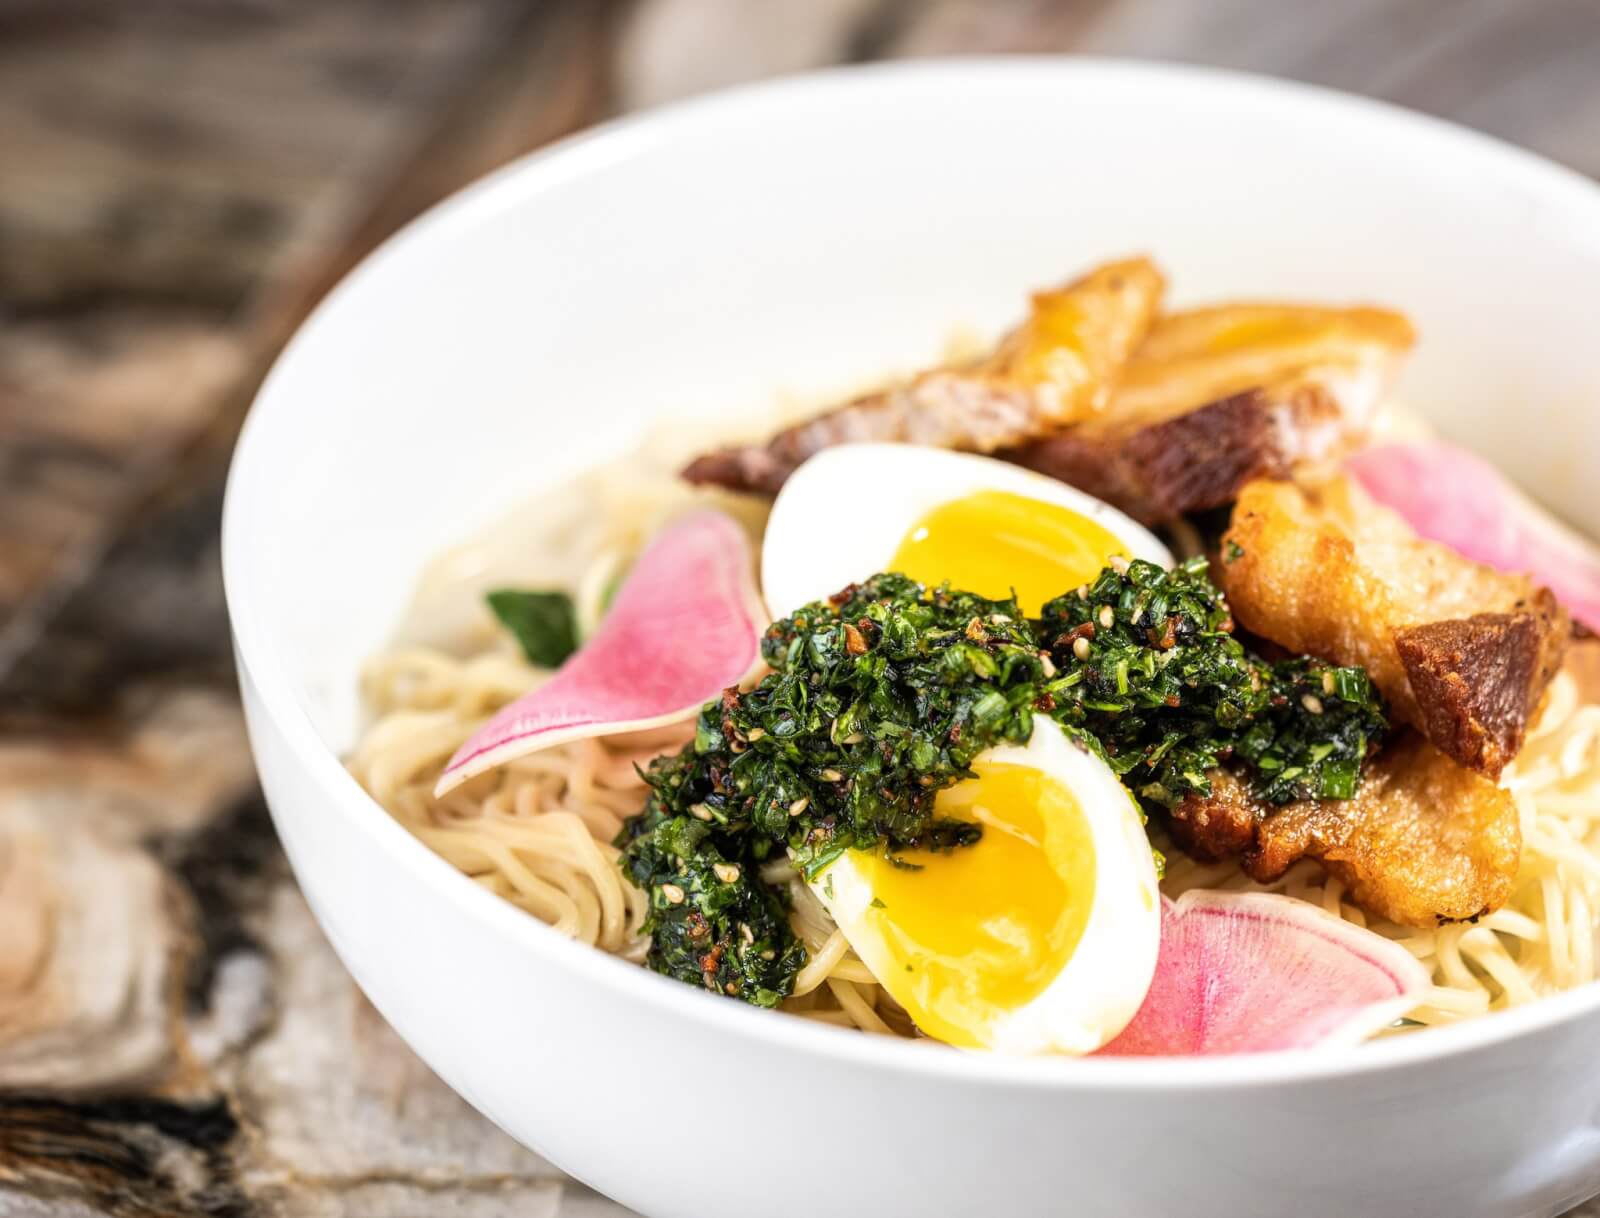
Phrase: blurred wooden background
{"type": "Point", "coordinates": [179, 181]}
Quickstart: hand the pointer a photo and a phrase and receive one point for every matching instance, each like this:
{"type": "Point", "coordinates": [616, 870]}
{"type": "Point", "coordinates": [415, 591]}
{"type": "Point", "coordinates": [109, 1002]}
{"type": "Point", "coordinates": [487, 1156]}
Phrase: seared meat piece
{"type": "Point", "coordinates": [1424, 841]}
{"type": "Point", "coordinates": [1464, 653]}
{"type": "Point", "coordinates": [1216, 397]}
{"type": "Point", "coordinates": [1157, 472]}
{"type": "Point", "coordinates": [1053, 370]}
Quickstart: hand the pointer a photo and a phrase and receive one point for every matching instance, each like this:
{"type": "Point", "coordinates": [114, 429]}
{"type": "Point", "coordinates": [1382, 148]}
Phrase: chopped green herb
{"type": "Point", "coordinates": [883, 696]}
{"type": "Point", "coordinates": [1170, 694]}
{"type": "Point", "coordinates": [1232, 552]}
{"type": "Point", "coordinates": [543, 623]}
{"type": "Point", "coordinates": [879, 698]}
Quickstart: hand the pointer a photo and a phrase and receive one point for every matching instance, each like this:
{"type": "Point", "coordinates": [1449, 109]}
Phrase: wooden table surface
{"type": "Point", "coordinates": [179, 181]}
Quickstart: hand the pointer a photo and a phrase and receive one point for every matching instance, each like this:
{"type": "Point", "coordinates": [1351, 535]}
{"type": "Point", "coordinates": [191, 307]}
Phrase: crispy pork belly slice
{"type": "Point", "coordinates": [1055, 369]}
{"type": "Point", "coordinates": [1464, 653]}
{"type": "Point", "coordinates": [1216, 397]}
{"type": "Point", "coordinates": [1424, 840]}
{"type": "Point", "coordinates": [1205, 355]}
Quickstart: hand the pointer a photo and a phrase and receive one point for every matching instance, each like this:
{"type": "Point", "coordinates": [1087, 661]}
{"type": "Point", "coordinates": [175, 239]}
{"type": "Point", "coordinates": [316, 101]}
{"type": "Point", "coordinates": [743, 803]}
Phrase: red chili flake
{"type": "Point", "coordinates": [1227, 625]}
{"type": "Point", "coordinates": [1169, 636]}
{"type": "Point", "coordinates": [1084, 631]}
{"type": "Point", "coordinates": [853, 642]}
{"type": "Point", "coordinates": [1174, 701]}
{"type": "Point", "coordinates": [843, 594]}
{"type": "Point", "coordinates": [955, 733]}
{"type": "Point", "coordinates": [1044, 702]}
{"type": "Point", "coordinates": [709, 963]}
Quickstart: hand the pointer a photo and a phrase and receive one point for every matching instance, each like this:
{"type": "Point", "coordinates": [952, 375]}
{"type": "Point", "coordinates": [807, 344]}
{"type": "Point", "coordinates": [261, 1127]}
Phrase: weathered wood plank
{"type": "Point", "coordinates": [177, 151]}
{"type": "Point", "coordinates": [175, 1035]}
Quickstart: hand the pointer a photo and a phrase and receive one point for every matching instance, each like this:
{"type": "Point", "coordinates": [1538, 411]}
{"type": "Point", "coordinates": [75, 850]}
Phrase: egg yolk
{"type": "Point", "coordinates": [994, 542]}
{"type": "Point", "coordinates": [975, 932]}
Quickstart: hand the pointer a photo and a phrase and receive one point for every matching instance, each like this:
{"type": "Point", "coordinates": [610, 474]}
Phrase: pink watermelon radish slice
{"type": "Point", "coordinates": [1253, 972]}
{"type": "Point", "coordinates": [684, 626]}
{"type": "Point", "coordinates": [1457, 498]}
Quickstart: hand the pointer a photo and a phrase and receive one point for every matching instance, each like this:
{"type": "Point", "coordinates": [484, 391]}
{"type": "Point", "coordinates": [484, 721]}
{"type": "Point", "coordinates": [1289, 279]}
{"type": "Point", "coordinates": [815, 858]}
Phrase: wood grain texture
{"type": "Point", "coordinates": [179, 181]}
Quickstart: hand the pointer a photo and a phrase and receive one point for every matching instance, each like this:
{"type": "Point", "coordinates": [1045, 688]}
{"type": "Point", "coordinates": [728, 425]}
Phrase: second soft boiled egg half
{"type": "Point", "coordinates": [1041, 937]}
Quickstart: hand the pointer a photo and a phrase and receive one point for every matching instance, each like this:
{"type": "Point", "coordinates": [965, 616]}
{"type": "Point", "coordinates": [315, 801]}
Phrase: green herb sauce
{"type": "Point", "coordinates": [1150, 669]}
{"type": "Point", "coordinates": [883, 695]}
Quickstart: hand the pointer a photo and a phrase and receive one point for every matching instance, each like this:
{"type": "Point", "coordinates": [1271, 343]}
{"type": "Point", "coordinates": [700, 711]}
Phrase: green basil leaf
{"type": "Point", "coordinates": [544, 623]}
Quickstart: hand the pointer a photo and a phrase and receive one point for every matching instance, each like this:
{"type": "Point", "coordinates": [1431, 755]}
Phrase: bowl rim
{"type": "Point", "coordinates": [262, 661]}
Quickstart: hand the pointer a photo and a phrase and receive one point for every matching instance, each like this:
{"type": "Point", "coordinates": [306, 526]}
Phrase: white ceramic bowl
{"type": "Point", "coordinates": [807, 235]}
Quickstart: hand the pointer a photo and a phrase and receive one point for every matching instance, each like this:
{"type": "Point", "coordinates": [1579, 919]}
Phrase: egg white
{"type": "Point", "coordinates": [1101, 986]}
{"type": "Point", "coordinates": [843, 514]}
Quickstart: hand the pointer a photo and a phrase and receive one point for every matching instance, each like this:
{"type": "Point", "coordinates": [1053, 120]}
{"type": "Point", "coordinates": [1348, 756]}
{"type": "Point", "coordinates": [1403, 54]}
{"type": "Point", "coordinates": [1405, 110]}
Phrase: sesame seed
{"type": "Point", "coordinates": [746, 933]}
{"type": "Point", "coordinates": [1046, 665]}
{"type": "Point", "coordinates": [1083, 592]}
{"type": "Point", "coordinates": [854, 738]}
{"type": "Point", "coordinates": [769, 954]}
{"type": "Point", "coordinates": [799, 806]}
{"type": "Point", "coordinates": [1108, 617]}
{"type": "Point", "coordinates": [1080, 648]}
{"type": "Point", "coordinates": [830, 775]}
{"type": "Point", "coordinates": [673, 893]}
{"type": "Point", "coordinates": [726, 872]}
{"type": "Point", "coordinates": [1329, 684]}
{"type": "Point", "coordinates": [755, 734]}
{"type": "Point", "coordinates": [699, 811]}
{"type": "Point", "coordinates": [1119, 564]}
{"type": "Point", "coordinates": [1312, 703]}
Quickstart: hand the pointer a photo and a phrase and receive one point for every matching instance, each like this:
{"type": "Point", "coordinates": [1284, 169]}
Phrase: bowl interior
{"type": "Point", "coordinates": [806, 236]}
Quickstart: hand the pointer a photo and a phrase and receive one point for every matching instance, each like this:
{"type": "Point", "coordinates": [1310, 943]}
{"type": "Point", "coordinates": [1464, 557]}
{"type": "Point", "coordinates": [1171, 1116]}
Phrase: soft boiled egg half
{"type": "Point", "coordinates": [1041, 937]}
{"type": "Point", "coordinates": [984, 525]}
